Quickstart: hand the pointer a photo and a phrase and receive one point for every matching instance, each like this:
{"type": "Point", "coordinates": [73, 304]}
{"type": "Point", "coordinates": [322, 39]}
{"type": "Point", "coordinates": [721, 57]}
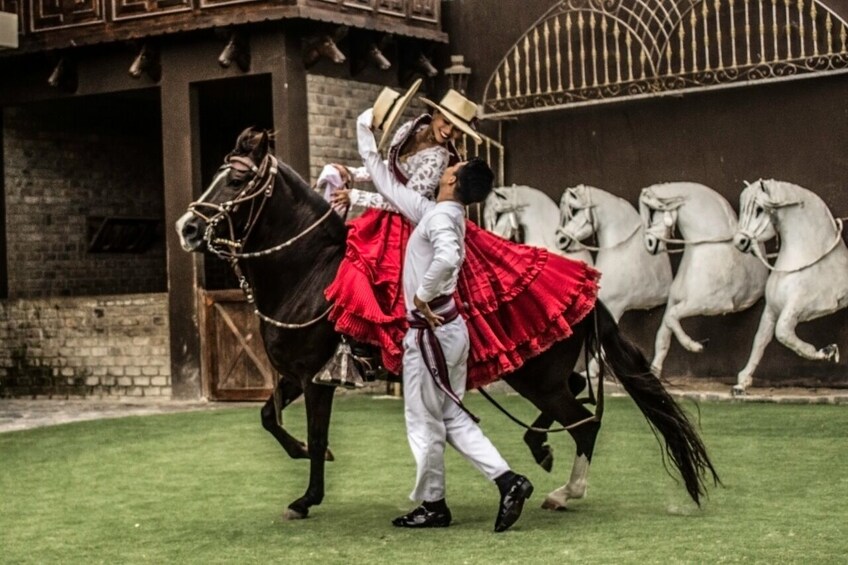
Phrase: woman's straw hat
{"type": "Point", "coordinates": [389, 108]}
{"type": "Point", "coordinates": [459, 110]}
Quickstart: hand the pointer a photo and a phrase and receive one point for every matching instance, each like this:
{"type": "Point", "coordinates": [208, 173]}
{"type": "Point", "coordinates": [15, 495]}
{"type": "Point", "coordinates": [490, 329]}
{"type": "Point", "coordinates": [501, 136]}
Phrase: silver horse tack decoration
{"type": "Point", "coordinates": [262, 184]}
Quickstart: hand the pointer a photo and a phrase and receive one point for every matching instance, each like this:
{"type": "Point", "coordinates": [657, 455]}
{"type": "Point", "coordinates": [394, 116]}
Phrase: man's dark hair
{"type": "Point", "coordinates": [474, 181]}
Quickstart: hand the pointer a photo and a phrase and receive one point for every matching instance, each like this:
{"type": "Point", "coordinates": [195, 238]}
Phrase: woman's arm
{"type": "Point", "coordinates": [408, 202]}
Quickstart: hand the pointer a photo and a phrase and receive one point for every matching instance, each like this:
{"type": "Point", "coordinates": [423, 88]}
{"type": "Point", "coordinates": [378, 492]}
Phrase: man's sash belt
{"type": "Point", "coordinates": [431, 348]}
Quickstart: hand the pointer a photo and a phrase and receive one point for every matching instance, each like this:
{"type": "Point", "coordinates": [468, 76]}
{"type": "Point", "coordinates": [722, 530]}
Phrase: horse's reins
{"type": "Point", "coordinates": [597, 401]}
{"type": "Point", "coordinates": [689, 241]}
{"type": "Point", "coordinates": [262, 184]}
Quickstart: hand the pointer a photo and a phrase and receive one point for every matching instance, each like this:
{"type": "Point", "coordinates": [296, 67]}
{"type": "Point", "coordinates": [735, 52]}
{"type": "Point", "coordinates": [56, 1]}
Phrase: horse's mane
{"type": "Point", "coordinates": [249, 139]}
{"type": "Point", "coordinates": [247, 142]}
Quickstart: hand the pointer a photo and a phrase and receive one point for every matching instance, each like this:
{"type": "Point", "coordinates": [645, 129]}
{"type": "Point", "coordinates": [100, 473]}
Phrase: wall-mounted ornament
{"type": "Point", "coordinates": [596, 220]}
{"type": "Point", "coordinates": [146, 62]}
{"type": "Point", "coordinates": [809, 278]}
{"type": "Point", "coordinates": [324, 45]}
{"type": "Point", "coordinates": [713, 278]}
{"type": "Point", "coordinates": [64, 75]}
{"type": "Point", "coordinates": [237, 50]}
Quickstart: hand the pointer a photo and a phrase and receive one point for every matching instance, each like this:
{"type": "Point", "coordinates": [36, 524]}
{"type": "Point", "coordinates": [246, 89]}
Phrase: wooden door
{"type": "Point", "coordinates": [234, 365]}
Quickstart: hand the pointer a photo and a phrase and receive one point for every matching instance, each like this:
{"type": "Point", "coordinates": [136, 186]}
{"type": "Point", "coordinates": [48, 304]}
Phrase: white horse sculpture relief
{"type": "Point", "coordinates": [713, 278]}
{"type": "Point", "coordinates": [526, 215]}
{"type": "Point", "coordinates": [633, 279]}
{"type": "Point", "coordinates": [809, 278]}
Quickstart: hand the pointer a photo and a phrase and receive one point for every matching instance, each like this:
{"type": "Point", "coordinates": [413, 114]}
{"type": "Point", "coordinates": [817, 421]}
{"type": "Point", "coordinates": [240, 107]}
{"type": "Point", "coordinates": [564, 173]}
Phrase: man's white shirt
{"type": "Point", "coordinates": [435, 249]}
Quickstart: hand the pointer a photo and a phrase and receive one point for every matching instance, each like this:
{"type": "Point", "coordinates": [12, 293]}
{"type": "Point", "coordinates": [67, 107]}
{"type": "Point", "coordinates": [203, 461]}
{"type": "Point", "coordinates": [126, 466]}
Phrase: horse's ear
{"type": "Point", "coordinates": [262, 146]}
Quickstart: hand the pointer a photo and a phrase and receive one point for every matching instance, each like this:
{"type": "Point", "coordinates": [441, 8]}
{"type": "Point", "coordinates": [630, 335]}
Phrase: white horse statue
{"type": "Point", "coordinates": [809, 278]}
{"type": "Point", "coordinates": [526, 215]}
{"type": "Point", "coordinates": [633, 279]}
{"type": "Point", "coordinates": [713, 278]}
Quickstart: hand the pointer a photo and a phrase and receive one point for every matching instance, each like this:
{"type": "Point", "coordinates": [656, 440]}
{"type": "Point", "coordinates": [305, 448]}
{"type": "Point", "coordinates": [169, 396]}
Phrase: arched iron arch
{"type": "Point", "coordinates": [584, 52]}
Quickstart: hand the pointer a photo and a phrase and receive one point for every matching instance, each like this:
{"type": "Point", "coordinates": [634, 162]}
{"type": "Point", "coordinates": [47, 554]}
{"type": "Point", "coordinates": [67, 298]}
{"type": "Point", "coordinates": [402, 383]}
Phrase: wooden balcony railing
{"type": "Point", "coordinates": [50, 24]}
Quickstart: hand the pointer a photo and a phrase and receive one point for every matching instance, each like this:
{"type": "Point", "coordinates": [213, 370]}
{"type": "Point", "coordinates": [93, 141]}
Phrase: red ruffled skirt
{"type": "Point", "coordinates": [517, 300]}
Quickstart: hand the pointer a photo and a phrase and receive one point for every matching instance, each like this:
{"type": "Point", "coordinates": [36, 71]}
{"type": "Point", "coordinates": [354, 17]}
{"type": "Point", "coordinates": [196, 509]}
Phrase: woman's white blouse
{"type": "Point", "coordinates": [423, 169]}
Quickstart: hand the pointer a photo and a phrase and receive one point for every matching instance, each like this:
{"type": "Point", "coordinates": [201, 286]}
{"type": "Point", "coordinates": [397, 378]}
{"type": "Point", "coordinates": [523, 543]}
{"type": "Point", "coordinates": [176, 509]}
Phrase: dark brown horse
{"type": "Point", "coordinates": [286, 244]}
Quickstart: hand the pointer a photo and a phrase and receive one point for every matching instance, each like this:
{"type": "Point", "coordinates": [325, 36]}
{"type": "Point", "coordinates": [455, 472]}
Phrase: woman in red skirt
{"type": "Point", "coordinates": [517, 300]}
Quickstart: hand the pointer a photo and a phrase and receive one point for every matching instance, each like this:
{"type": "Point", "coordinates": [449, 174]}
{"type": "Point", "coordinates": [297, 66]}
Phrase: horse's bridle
{"type": "Point", "coordinates": [669, 229]}
{"type": "Point", "coordinates": [770, 208]}
{"type": "Point", "coordinates": [510, 208]}
{"type": "Point", "coordinates": [261, 184]}
{"type": "Point", "coordinates": [591, 220]}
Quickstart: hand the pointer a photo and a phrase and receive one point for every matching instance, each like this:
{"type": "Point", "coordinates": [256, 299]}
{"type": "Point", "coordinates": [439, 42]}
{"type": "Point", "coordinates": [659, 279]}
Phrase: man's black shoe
{"type": "Point", "coordinates": [423, 518]}
{"type": "Point", "coordinates": [512, 502]}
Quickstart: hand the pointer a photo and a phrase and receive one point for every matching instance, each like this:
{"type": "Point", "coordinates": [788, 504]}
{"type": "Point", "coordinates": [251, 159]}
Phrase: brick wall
{"type": "Point", "coordinates": [98, 346]}
{"type": "Point", "coordinates": [66, 162]}
{"type": "Point", "coordinates": [333, 106]}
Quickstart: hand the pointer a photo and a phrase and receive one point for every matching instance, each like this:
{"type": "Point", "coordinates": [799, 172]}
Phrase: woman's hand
{"type": "Point", "coordinates": [341, 197]}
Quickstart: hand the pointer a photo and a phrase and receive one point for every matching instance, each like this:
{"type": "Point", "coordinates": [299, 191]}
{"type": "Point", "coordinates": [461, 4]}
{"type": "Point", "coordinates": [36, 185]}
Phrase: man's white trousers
{"type": "Point", "coordinates": [432, 418]}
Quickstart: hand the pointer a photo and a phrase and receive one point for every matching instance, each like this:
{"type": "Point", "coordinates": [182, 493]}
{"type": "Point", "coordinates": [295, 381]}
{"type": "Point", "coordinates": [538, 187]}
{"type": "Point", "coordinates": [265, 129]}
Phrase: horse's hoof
{"type": "Point", "coordinates": [694, 347]}
{"type": "Point", "coordinates": [544, 457]}
{"type": "Point", "coordinates": [547, 463]}
{"type": "Point", "coordinates": [553, 504]}
{"type": "Point", "coordinates": [830, 352]}
{"type": "Point", "coordinates": [328, 456]}
{"type": "Point", "coordinates": [292, 514]}
{"type": "Point", "coordinates": [738, 390]}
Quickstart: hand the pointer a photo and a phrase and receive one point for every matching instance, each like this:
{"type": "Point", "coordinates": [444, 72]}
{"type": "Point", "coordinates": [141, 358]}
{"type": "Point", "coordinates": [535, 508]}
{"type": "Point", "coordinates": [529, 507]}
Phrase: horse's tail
{"type": "Point", "coordinates": [682, 443]}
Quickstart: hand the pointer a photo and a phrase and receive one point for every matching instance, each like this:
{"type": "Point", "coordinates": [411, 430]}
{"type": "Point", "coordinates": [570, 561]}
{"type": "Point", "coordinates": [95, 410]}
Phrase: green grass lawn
{"type": "Point", "coordinates": [210, 487]}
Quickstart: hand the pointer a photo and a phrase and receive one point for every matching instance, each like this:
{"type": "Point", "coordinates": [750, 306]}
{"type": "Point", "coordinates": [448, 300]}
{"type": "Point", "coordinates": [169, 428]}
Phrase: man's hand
{"type": "Point", "coordinates": [433, 319]}
{"type": "Point", "coordinates": [343, 172]}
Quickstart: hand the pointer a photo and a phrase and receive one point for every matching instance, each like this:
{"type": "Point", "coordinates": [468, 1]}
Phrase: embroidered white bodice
{"type": "Point", "coordinates": [423, 169]}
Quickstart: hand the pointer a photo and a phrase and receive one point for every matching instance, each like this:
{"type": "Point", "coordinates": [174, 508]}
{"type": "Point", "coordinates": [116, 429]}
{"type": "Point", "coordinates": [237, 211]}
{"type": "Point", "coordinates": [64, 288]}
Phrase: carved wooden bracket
{"type": "Point", "coordinates": [325, 45]}
{"type": "Point", "coordinates": [64, 75]}
{"type": "Point", "coordinates": [236, 51]}
{"type": "Point", "coordinates": [147, 62]}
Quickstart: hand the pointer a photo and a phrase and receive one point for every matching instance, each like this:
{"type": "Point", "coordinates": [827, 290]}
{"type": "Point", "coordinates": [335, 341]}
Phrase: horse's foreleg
{"type": "Point", "coordinates": [672, 320]}
{"type": "Point", "coordinates": [319, 404]}
{"type": "Point", "coordinates": [272, 418]}
{"type": "Point", "coordinates": [662, 343]}
{"type": "Point", "coordinates": [785, 333]}
{"type": "Point", "coordinates": [542, 452]}
{"type": "Point", "coordinates": [551, 393]}
{"type": "Point", "coordinates": [765, 332]}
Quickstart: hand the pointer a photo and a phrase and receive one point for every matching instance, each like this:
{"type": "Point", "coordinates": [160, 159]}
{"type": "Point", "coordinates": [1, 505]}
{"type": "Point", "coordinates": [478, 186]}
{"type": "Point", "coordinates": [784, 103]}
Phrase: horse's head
{"type": "Point", "coordinates": [576, 218]}
{"type": "Point", "coordinates": [501, 215]}
{"type": "Point", "coordinates": [226, 211]}
{"type": "Point", "coordinates": [757, 204]}
{"type": "Point", "coordinates": [659, 217]}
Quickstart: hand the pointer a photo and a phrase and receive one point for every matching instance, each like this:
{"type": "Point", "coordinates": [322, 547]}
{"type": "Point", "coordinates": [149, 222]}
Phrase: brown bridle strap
{"type": "Point", "coordinates": [262, 184]}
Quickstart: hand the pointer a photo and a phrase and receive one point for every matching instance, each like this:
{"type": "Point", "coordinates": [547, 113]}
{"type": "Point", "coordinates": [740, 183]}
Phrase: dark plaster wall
{"type": "Point", "coordinates": [795, 131]}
